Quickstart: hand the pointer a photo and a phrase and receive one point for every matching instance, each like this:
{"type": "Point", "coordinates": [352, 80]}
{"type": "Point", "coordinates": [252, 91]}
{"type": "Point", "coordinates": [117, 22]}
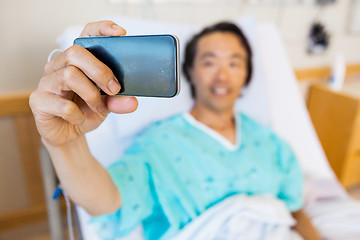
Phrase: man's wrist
{"type": "Point", "coordinates": [74, 148]}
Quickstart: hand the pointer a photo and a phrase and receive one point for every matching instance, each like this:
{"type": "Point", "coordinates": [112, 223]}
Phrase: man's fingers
{"type": "Point", "coordinates": [80, 58]}
{"type": "Point", "coordinates": [72, 79]}
{"type": "Point", "coordinates": [48, 105]}
{"type": "Point", "coordinates": [121, 104]}
{"type": "Point", "coordinates": [102, 28]}
{"type": "Point", "coordinates": [94, 69]}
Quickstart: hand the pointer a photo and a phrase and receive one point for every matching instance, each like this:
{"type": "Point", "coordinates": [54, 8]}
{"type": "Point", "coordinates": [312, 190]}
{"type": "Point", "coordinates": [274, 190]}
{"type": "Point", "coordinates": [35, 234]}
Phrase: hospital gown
{"type": "Point", "coordinates": [179, 167]}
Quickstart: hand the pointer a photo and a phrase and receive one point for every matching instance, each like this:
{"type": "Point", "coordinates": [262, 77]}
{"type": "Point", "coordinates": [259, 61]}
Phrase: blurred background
{"type": "Point", "coordinates": [321, 37]}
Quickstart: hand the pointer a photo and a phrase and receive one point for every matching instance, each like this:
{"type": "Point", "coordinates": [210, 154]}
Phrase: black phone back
{"type": "Point", "coordinates": [145, 65]}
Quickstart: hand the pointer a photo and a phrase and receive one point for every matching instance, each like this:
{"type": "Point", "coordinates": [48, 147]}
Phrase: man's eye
{"type": "Point", "coordinates": [236, 64]}
{"type": "Point", "coordinates": [208, 64]}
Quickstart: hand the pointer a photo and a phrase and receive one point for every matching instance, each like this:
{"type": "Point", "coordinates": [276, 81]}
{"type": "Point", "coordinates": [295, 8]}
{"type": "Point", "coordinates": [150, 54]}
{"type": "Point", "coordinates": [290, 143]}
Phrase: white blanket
{"type": "Point", "coordinates": [336, 219]}
{"type": "Point", "coordinates": [259, 217]}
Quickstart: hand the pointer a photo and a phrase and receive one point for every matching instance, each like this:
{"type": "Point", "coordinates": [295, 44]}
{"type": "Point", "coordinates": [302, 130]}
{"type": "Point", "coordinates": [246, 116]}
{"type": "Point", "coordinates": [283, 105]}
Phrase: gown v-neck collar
{"type": "Point", "coordinates": [214, 134]}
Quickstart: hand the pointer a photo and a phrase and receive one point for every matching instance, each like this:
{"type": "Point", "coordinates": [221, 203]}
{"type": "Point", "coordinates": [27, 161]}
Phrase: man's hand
{"type": "Point", "coordinates": [66, 103]}
{"type": "Point", "coordinates": [304, 226]}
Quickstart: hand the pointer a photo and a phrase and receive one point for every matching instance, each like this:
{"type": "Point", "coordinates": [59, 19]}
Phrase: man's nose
{"type": "Point", "coordinates": [223, 73]}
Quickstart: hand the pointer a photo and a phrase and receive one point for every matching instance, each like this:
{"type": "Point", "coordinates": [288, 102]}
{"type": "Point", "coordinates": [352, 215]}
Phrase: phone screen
{"type": "Point", "coordinates": [145, 65]}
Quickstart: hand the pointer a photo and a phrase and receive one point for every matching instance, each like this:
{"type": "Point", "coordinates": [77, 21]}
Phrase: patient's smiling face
{"type": "Point", "coordinates": [219, 70]}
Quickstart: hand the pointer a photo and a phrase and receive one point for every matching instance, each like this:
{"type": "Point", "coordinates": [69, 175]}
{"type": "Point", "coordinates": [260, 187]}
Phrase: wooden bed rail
{"type": "Point", "coordinates": [14, 104]}
{"type": "Point", "coordinates": [16, 107]}
{"type": "Point", "coordinates": [324, 72]}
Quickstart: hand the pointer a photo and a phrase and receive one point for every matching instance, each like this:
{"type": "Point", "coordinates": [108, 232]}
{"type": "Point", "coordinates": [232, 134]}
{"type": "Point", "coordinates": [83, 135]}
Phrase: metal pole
{"type": "Point", "coordinates": [53, 206]}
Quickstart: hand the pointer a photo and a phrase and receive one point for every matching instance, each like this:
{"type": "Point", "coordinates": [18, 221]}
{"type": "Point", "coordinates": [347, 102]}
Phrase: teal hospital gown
{"type": "Point", "coordinates": [178, 168]}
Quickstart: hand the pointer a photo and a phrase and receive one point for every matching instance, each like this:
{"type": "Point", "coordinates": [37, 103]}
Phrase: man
{"type": "Point", "coordinates": [177, 168]}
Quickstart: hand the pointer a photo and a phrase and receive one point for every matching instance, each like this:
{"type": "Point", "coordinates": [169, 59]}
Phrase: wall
{"type": "Point", "coordinates": [29, 28]}
{"type": "Point", "coordinates": [28, 31]}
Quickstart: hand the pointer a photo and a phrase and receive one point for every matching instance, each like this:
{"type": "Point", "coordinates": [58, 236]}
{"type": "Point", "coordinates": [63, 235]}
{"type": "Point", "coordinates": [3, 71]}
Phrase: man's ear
{"type": "Point", "coordinates": [191, 73]}
{"type": "Point", "coordinates": [190, 80]}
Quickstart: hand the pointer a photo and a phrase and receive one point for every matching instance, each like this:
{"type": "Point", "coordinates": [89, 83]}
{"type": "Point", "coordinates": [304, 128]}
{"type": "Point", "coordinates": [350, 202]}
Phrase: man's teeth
{"type": "Point", "coordinates": [220, 91]}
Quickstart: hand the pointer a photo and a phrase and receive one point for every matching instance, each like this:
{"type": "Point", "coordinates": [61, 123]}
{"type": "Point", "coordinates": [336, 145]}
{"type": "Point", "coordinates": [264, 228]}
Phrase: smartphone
{"type": "Point", "coordinates": [145, 65]}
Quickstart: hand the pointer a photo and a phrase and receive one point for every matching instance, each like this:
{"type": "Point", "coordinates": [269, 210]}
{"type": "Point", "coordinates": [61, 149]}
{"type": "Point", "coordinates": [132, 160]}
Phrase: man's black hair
{"type": "Point", "coordinates": [227, 27]}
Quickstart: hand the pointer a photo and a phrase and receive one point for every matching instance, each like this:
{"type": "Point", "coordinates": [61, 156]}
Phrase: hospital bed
{"type": "Point", "coordinates": [273, 99]}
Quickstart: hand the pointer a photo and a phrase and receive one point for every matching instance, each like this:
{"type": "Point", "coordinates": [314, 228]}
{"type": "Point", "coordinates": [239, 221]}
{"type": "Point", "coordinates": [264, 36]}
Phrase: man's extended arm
{"type": "Point", "coordinates": [83, 178]}
{"type": "Point", "coordinates": [66, 105]}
